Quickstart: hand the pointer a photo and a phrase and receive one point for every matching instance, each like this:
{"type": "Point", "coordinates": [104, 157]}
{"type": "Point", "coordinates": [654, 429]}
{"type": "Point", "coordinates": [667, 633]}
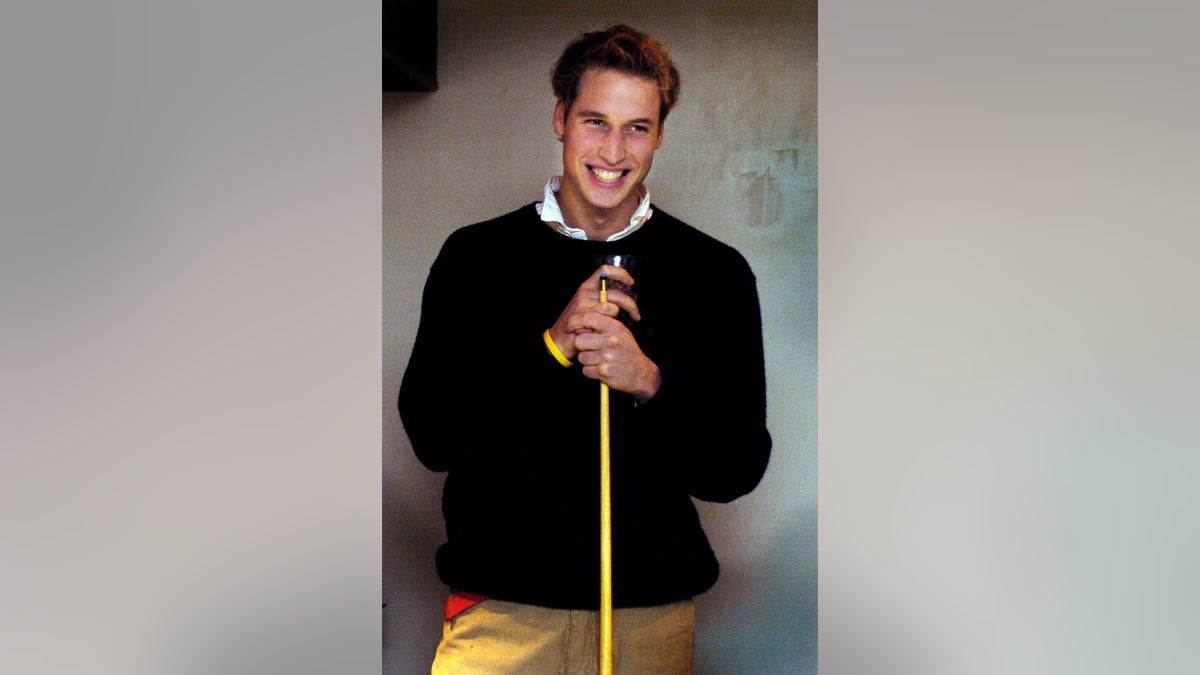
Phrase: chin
{"type": "Point", "coordinates": [608, 200]}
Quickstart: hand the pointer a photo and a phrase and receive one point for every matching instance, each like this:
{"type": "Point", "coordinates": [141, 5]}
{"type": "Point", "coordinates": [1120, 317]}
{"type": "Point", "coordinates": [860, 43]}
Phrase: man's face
{"type": "Point", "coordinates": [609, 138]}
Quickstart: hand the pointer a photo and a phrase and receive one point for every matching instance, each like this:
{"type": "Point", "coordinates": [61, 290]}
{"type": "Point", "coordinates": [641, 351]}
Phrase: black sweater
{"type": "Point", "coordinates": [519, 433]}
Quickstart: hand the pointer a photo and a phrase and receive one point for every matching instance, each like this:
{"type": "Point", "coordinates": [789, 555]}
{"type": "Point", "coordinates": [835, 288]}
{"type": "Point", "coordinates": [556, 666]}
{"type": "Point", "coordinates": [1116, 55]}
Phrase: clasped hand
{"type": "Point", "coordinates": [588, 331]}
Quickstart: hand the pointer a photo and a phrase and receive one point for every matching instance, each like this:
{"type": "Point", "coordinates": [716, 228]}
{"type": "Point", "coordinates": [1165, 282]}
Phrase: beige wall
{"type": "Point", "coordinates": [739, 161]}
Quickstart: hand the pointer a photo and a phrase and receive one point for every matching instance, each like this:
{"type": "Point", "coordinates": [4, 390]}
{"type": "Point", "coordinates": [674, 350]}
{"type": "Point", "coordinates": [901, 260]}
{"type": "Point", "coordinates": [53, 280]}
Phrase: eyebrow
{"type": "Point", "coordinates": [593, 113]}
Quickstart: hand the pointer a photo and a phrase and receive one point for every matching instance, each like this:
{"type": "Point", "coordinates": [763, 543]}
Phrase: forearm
{"type": "Point", "coordinates": [709, 414]}
{"type": "Point", "coordinates": [717, 444]}
{"type": "Point", "coordinates": [459, 411]}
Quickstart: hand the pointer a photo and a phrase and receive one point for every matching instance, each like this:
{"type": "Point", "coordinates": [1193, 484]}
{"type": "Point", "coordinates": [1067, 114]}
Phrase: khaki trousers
{"type": "Point", "coordinates": [506, 637]}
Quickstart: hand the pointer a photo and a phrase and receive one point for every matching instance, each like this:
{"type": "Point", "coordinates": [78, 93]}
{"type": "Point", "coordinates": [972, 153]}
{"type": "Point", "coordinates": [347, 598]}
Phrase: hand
{"type": "Point", "coordinates": [588, 330]}
{"type": "Point", "coordinates": [609, 353]}
{"type": "Point", "coordinates": [577, 317]}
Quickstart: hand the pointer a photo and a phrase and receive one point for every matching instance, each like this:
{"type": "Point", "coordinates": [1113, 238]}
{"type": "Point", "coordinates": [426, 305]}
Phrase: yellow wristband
{"type": "Point", "coordinates": [554, 350]}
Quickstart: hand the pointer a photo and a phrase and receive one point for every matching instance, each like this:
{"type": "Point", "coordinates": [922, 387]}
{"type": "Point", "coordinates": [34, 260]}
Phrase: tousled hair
{"type": "Point", "coordinates": [622, 49]}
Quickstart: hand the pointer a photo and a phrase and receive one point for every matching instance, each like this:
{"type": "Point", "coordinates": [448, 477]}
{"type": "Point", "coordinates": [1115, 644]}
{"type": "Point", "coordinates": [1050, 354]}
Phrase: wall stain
{"type": "Point", "coordinates": [770, 184]}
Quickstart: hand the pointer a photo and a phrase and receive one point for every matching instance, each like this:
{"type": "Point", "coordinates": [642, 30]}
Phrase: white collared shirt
{"type": "Point", "coordinates": [551, 214]}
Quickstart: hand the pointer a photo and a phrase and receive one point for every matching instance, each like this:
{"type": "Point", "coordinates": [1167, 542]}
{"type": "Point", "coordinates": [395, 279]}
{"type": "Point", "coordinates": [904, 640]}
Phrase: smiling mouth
{"type": "Point", "coordinates": [605, 176]}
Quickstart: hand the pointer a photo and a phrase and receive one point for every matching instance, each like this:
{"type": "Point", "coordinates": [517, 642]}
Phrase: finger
{"type": "Point", "coordinates": [594, 322]}
{"type": "Point", "coordinates": [597, 372]}
{"type": "Point", "coordinates": [585, 317]}
{"type": "Point", "coordinates": [609, 308]}
{"type": "Point", "coordinates": [613, 272]}
{"type": "Point", "coordinates": [624, 301]}
{"type": "Point", "coordinates": [590, 341]}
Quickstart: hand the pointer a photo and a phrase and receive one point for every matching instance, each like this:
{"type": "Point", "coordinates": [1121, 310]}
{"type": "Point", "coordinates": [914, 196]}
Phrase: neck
{"type": "Point", "coordinates": [599, 224]}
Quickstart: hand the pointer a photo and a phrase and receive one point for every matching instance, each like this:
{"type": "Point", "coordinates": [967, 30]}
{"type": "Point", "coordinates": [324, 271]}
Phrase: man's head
{"type": "Point", "coordinates": [624, 50]}
{"type": "Point", "coordinates": [614, 88]}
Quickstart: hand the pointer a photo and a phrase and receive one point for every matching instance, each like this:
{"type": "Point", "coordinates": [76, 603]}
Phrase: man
{"type": "Point", "coordinates": [502, 391]}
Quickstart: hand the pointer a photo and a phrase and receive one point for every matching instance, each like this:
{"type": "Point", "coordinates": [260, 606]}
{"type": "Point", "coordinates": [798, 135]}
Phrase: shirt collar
{"type": "Point", "coordinates": [549, 211]}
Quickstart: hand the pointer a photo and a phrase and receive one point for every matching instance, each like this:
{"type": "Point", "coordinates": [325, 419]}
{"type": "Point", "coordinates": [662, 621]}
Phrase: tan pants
{"type": "Point", "coordinates": [506, 637]}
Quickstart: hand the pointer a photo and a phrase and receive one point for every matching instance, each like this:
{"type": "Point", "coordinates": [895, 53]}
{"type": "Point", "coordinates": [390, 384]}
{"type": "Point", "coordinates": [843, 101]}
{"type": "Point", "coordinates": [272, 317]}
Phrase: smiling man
{"type": "Point", "coordinates": [501, 392]}
{"type": "Point", "coordinates": [610, 132]}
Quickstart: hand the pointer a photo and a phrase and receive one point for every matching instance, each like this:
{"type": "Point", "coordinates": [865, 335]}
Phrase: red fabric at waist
{"type": "Point", "coordinates": [461, 602]}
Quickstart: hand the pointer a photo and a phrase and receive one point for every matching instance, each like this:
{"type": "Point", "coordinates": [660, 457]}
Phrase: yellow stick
{"type": "Point", "coordinates": [606, 628]}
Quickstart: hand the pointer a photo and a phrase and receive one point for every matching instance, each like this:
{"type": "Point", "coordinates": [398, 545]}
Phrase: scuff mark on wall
{"type": "Point", "coordinates": [773, 185]}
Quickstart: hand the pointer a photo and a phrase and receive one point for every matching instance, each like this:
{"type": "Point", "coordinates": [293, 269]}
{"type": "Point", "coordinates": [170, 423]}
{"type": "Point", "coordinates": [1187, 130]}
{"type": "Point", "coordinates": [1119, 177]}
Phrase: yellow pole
{"type": "Point", "coordinates": [606, 626]}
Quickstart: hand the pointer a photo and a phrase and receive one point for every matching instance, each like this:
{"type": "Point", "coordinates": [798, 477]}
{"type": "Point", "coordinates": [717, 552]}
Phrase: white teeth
{"type": "Point", "coordinates": [607, 176]}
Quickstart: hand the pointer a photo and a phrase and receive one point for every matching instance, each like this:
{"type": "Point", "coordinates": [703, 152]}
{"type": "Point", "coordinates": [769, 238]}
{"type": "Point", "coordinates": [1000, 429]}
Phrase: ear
{"type": "Point", "coordinates": [560, 119]}
{"type": "Point", "coordinates": [662, 128]}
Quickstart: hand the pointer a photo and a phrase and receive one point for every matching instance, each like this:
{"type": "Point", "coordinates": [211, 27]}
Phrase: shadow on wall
{"type": "Point", "coordinates": [411, 510]}
{"type": "Point", "coordinates": [413, 594]}
{"type": "Point", "coordinates": [778, 634]}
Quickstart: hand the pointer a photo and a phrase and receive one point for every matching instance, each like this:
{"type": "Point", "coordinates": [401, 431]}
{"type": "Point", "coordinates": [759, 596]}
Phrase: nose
{"type": "Point", "coordinates": [612, 147]}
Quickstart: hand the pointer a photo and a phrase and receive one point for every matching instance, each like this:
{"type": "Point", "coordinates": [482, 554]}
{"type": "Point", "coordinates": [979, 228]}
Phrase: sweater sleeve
{"type": "Point", "coordinates": [709, 417]}
{"type": "Point", "coordinates": [470, 389]}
